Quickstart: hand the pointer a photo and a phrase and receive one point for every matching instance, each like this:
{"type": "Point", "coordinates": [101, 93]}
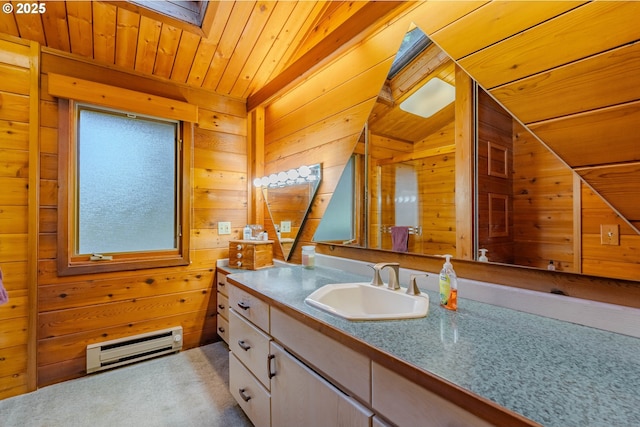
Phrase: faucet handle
{"type": "Point", "coordinates": [381, 265]}
{"type": "Point", "coordinates": [376, 280]}
{"type": "Point", "coordinates": [413, 289]}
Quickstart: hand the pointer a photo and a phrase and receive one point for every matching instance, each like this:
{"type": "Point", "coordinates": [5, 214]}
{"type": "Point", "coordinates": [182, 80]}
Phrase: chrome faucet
{"type": "Point", "coordinates": [413, 289]}
{"type": "Point", "coordinates": [376, 280]}
{"type": "Point", "coordinates": [394, 273]}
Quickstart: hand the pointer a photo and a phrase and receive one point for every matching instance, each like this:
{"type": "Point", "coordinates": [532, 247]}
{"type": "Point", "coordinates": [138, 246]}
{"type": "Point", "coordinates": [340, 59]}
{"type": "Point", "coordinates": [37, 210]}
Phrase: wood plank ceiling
{"type": "Point", "coordinates": [240, 47]}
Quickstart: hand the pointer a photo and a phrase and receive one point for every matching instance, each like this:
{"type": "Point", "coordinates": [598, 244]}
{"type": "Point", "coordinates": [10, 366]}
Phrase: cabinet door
{"type": "Point", "coordinates": [300, 397]}
{"type": "Point", "coordinates": [408, 404]}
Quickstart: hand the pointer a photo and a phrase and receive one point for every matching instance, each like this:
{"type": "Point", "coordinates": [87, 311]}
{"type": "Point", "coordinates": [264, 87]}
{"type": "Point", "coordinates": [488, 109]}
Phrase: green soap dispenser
{"type": "Point", "coordinates": [448, 286]}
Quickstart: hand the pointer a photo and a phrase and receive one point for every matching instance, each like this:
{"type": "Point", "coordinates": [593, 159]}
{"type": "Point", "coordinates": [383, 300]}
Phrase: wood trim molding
{"type": "Point", "coordinates": [255, 165]}
{"type": "Point", "coordinates": [577, 223]}
{"type": "Point", "coordinates": [415, 155]}
{"type": "Point", "coordinates": [202, 31]}
{"type": "Point", "coordinates": [34, 215]}
{"type": "Point", "coordinates": [464, 155]}
{"type": "Point", "coordinates": [114, 97]}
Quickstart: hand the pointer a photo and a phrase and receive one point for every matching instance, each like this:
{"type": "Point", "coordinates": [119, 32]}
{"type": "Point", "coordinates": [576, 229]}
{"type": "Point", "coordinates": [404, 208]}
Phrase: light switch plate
{"type": "Point", "coordinates": [224, 227]}
{"type": "Point", "coordinates": [610, 234]}
{"type": "Point", "coordinates": [285, 226]}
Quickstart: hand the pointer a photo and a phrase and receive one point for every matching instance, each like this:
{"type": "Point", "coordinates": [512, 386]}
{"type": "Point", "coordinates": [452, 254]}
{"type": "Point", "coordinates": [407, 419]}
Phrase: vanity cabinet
{"type": "Point", "coordinates": [222, 301]}
{"type": "Point", "coordinates": [272, 386]}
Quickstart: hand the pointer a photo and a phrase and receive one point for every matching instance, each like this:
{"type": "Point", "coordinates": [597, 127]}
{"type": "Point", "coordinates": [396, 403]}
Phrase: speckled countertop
{"type": "Point", "coordinates": [552, 372]}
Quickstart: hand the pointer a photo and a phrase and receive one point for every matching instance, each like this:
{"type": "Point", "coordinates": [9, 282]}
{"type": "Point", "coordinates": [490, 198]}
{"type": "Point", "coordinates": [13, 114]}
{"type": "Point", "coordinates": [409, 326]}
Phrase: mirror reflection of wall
{"type": "Point", "coordinates": [525, 195]}
{"type": "Point", "coordinates": [529, 206]}
{"type": "Point", "coordinates": [411, 148]}
{"type": "Point", "coordinates": [288, 201]}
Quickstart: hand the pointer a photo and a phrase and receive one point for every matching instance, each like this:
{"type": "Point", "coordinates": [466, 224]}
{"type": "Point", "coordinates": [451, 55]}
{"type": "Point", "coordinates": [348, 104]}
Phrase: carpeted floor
{"type": "Point", "coordinates": [188, 389]}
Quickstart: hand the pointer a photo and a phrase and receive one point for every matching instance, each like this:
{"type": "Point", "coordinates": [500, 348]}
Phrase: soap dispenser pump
{"type": "Point", "coordinates": [448, 286]}
{"type": "Point", "coordinates": [483, 256]}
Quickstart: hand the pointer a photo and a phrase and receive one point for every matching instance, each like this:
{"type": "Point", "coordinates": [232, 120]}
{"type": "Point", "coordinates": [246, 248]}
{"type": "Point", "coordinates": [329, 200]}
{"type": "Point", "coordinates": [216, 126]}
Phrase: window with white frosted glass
{"type": "Point", "coordinates": [127, 192]}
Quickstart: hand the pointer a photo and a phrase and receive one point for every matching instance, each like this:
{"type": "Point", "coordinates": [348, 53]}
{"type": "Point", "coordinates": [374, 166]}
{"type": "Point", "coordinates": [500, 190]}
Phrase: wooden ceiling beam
{"type": "Point", "coordinates": [350, 28]}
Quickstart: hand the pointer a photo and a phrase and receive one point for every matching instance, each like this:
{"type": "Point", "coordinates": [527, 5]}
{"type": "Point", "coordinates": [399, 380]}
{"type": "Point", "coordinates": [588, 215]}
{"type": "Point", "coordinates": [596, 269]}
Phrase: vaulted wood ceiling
{"type": "Point", "coordinates": [241, 46]}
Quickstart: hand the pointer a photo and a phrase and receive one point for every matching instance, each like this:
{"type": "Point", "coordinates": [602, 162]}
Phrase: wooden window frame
{"type": "Point", "coordinates": [71, 264]}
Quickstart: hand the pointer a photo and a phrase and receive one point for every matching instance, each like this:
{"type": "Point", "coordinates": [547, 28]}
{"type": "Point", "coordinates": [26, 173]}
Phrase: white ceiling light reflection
{"type": "Point", "coordinates": [430, 98]}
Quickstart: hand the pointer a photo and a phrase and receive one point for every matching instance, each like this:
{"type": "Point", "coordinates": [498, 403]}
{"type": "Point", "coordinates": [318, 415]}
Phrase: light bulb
{"type": "Point", "coordinates": [292, 174]}
{"type": "Point", "coordinates": [304, 171]}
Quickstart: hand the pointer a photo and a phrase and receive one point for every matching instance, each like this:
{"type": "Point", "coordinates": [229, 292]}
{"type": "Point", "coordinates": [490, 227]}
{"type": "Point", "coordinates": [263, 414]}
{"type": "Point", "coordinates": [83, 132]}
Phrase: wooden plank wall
{"type": "Point", "coordinates": [436, 191]}
{"type": "Point", "coordinates": [18, 151]}
{"type": "Point", "coordinates": [382, 188]}
{"type": "Point", "coordinates": [543, 205]}
{"type": "Point", "coordinates": [619, 261]}
{"type": "Point", "coordinates": [321, 119]}
{"type": "Point", "coordinates": [74, 311]}
{"type": "Point", "coordinates": [437, 186]}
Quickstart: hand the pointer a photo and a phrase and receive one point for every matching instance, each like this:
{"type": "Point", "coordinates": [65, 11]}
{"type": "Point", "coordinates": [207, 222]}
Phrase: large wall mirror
{"type": "Point", "coordinates": [288, 196]}
{"type": "Point", "coordinates": [529, 208]}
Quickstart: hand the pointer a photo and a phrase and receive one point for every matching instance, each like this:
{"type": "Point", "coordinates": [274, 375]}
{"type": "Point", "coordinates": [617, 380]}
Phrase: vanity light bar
{"type": "Point", "coordinates": [291, 177]}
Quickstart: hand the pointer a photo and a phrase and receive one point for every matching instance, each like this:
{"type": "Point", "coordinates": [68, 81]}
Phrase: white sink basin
{"type": "Point", "coordinates": [362, 301]}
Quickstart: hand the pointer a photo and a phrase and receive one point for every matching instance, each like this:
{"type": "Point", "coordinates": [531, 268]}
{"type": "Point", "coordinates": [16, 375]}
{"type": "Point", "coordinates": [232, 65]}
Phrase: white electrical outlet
{"type": "Point", "coordinates": [285, 226]}
{"type": "Point", "coordinates": [224, 227]}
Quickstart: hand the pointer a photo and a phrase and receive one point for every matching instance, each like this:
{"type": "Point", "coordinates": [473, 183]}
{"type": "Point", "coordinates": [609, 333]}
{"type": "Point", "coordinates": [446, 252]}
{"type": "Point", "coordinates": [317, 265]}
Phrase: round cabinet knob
{"type": "Point", "coordinates": [239, 247]}
{"type": "Point", "coordinates": [238, 255]}
{"type": "Point", "coordinates": [239, 263]}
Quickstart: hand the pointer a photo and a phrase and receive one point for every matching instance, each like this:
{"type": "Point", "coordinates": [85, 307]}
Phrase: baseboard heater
{"type": "Point", "coordinates": [110, 354]}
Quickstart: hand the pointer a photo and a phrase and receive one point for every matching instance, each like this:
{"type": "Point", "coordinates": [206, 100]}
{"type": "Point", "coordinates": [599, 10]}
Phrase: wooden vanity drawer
{"type": "Point", "coordinates": [221, 279]}
{"type": "Point", "coordinates": [344, 366]}
{"type": "Point", "coordinates": [250, 307]}
{"type": "Point", "coordinates": [252, 397]}
{"type": "Point", "coordinates": [223, 328]}
{"type": "Point", "coordinates": [250, 345]}
{"type": "Point", "coordinates": [408, 404]}
{"type": "Point", "coordinates": [223, 305]}
{"type": "Point", "coordinates": [251, 254]}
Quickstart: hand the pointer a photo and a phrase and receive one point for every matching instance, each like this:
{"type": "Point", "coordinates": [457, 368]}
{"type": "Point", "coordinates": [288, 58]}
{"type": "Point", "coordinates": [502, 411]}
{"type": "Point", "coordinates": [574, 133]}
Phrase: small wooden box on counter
{"type": "Point", "coordinates": [250, 254]}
